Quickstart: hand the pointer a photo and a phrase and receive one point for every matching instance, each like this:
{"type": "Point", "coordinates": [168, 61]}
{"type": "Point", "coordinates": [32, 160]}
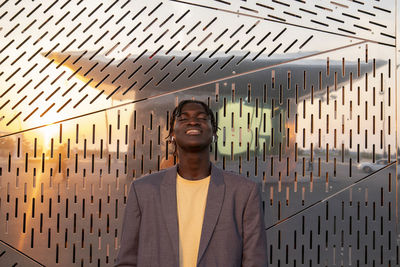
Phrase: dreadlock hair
{"type": "Point", "coordinates": [178, 111]}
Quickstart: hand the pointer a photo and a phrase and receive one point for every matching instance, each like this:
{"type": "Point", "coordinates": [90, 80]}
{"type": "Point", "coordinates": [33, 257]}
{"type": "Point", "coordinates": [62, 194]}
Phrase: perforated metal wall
{"type": "Point", "coordinates": [305, 94]}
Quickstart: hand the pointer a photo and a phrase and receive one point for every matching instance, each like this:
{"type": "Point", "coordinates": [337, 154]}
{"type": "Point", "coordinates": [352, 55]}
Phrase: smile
{"type": "Point", "coordinates": [193, 132]}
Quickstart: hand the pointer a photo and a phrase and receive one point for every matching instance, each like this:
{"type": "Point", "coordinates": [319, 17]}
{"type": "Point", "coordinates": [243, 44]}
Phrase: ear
{"type": "Point", "coordinates": [171, 138]}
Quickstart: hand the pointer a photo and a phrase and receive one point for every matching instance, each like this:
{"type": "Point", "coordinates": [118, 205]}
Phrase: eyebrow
{"type": "Point", "coordinates": [200, 112]}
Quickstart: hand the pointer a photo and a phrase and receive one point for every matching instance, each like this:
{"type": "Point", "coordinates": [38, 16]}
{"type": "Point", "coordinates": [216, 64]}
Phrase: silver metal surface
{"type": "Point", "coordinates": [305, 94]}
{"type": "Point", "coordinates": [371, 20]}
{"type": "Point", "coordinates": [11, 257]}
{"type": "Point", "coordinates": [354, 227]}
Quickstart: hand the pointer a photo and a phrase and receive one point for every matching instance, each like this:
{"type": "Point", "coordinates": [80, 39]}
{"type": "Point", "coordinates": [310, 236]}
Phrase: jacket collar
{"type": "Point", "coordinates": [215, 197]}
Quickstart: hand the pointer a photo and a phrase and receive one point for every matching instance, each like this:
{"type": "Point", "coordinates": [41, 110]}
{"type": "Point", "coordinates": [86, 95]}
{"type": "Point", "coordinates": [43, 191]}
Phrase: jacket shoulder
{"type": "Point", "coordinates": [150, 179]}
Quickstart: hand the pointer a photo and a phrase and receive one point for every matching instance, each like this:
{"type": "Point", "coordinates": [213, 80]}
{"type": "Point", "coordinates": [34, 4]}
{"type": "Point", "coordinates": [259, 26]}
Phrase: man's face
{"type": "Point", "coordinates": [192, 129]}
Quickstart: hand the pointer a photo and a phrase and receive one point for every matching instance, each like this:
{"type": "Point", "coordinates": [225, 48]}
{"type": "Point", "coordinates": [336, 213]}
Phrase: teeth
{"type": "Point", "coordinates": [192, 132]}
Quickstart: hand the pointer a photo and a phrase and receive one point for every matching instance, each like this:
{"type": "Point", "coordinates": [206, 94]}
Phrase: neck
{"type": "Point", "coordinates": [194, 166]}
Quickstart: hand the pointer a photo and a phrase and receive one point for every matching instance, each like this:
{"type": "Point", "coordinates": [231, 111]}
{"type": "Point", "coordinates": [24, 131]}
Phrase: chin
{"type": "Point", "coordinates": [195, 147]}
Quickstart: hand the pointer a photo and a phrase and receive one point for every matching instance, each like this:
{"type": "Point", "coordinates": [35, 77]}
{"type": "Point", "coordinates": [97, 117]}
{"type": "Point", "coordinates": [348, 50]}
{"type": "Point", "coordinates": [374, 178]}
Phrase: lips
{"type": "Point", "coordinates": [193, 132]}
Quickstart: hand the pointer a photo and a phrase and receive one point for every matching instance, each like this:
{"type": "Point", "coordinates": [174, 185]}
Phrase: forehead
{"type": "Point", "coordinates": [193, 107]}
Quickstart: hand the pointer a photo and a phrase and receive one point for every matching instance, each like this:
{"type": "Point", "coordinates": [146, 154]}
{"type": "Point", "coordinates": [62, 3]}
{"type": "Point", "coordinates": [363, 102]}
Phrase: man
{"type": "Point", "coordinates": [193, 214]}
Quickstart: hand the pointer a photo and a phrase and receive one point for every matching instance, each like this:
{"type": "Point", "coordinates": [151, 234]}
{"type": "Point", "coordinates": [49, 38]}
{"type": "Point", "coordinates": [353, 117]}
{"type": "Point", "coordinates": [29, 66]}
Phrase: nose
{"type": "Point", "coordinates": [193, 121]}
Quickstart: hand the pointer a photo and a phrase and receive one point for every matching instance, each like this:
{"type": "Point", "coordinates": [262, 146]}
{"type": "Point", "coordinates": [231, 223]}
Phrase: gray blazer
{"type": "Point", "coordinates": [233, 232]}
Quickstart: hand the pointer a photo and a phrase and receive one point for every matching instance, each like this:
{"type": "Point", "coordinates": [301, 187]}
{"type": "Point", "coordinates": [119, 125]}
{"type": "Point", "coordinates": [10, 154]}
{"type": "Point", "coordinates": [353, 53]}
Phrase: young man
{"type": "Point", "coordinates": [193, 214]}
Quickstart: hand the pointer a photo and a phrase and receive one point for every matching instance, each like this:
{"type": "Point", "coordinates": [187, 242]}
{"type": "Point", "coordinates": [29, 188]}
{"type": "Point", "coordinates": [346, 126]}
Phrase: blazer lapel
{"type": "Point", "coordinates": [215, 198]}
{"type": "Point", "coordinates": [169, 207]}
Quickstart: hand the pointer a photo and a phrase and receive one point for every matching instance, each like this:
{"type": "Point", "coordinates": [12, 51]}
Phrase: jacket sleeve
{"type": "Point", "coordinates": [128, 252]}
{"type": "Point", "coordinates": [254, 238]}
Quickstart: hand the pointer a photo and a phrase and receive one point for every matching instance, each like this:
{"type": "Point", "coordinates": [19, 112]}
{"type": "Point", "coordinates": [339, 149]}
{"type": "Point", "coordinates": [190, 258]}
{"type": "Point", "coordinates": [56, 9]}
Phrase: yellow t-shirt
{"type": "Point", "coordinates": [191, 200]}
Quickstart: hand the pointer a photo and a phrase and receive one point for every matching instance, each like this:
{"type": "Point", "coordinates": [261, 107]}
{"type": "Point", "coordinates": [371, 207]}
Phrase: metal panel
{"type": "Point", "coordinates": [371, 20]}
{"type": "Point", "coordinates": [304, 93]}
{"type": "Point", "coordinates": [10, 257]}
{"type": "Point", "coordinates": [354, 227]}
